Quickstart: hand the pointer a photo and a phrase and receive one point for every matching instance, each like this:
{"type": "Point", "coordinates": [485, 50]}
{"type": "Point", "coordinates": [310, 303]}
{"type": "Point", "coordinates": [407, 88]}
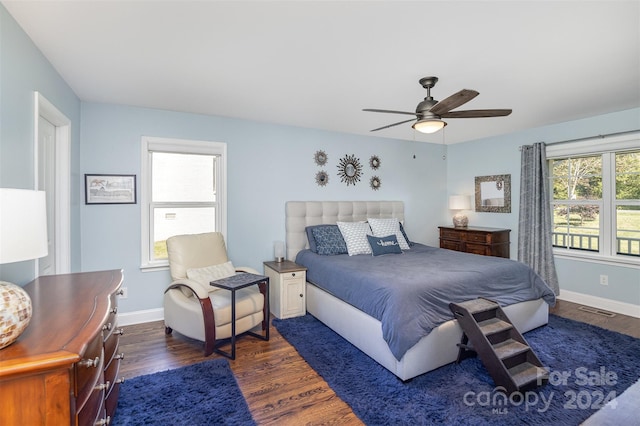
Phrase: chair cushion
{"type": "Point", "coordinates": [210, 273]}
{"type": "Point", "coordinates": [249, 300]}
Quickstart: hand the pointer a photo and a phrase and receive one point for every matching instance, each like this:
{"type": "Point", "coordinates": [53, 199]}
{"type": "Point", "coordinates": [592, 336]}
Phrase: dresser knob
{"type": "Point", "coordinates": [301, 295]}
{"type": "Point", "coordinates": [90, 362]}
{"type": "Point", "coordinates": [119, 331]}
{"type": "Point", "coordinates": [114, 310]}
{"type": "Point", "coordinates": [103, 422]}
{"type": "Point", "coordinates": [120, 292]}
{"type": "Point", "coordinates": [120, 355]}
{"type": "Point", "coordinates": [120, 380]}
{"type": "Point", "coordinates": [107, 326]}
{"type": "Point", "coordinates": [293, 274]}
{"type": "Point", "coordinates": [103, 386]}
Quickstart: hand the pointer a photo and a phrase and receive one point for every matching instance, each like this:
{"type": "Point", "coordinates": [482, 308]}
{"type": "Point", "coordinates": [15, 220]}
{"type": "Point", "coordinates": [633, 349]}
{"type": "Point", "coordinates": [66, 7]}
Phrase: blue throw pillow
{"type": "Point", "coordinates": [384, 245]}
{"type": "Point", "coordinates": [329, 240]}
{"type": "Point", "coordinates": [404, 234]}
{"type": "Point", "coordinates": [311, 239]}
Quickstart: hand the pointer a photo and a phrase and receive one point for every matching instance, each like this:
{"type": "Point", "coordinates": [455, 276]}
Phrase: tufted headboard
{"type": "Point", "coordinates": [300, 214]}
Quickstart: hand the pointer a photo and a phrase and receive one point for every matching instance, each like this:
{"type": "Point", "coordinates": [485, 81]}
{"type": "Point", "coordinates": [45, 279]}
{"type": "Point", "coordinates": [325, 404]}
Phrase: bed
{"type": "Point", "coordinates": [363, 330]}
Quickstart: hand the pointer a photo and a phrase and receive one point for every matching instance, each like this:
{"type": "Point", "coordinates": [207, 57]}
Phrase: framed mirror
{"type": "Point", "coordinates": [493, 194]}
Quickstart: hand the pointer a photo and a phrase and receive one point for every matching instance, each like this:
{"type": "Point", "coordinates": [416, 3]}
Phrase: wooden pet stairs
{"type": "Point", "coordinates": [501, 348]}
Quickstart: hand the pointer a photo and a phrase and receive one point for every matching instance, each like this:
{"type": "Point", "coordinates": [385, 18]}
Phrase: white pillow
{"type": "Point", "coordinates": [355, 235]}
{"type": "Point", "coordinates": [391, 226]}
{"type": "Point", "coordinates": [211, 273]}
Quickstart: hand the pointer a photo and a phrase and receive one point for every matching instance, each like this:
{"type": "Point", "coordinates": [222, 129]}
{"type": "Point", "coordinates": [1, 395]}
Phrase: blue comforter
{"type": "Point", "coordinates": [410, 293]}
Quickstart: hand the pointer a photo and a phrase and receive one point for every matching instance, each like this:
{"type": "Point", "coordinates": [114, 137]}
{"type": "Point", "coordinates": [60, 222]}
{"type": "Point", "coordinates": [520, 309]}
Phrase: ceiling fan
{"type": "Point", "coordinates": [429, 112]}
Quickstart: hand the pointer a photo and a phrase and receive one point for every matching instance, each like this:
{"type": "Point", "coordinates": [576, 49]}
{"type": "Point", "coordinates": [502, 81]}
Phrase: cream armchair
{"type": "Point", "coordinates": [194, 308]}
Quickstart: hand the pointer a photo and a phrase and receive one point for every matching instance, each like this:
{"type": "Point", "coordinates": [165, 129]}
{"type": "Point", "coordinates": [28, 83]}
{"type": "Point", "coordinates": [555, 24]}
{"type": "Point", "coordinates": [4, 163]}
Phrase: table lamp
{"type": "Point", "coordinates": [23, 236]}
{"type": "Point", "coordinates": [459, 203]}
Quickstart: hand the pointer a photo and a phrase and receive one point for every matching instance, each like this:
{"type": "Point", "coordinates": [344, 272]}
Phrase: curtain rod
{"type": "Point", "coordinates": [589, 137]}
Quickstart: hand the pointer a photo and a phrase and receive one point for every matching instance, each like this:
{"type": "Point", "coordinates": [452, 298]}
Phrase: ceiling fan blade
{"type": "Point", "coordinates": [389, 111]}
{"type": "Point", "coordinates": [476, 113]}
{"type": "Point", "coordinates": [453, 101]}
{"type": "Point", "coordinates": [394, 124]}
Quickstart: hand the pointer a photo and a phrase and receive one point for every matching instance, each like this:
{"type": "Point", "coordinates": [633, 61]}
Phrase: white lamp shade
{"type": "Point", "coordinates": [429, 125]}
{"type": "Point", "coordinates": [23, 225]}
{"type": "Point", "coordinates": [278, 250]}
{"type": "Point", "coordinates": [459, 202]}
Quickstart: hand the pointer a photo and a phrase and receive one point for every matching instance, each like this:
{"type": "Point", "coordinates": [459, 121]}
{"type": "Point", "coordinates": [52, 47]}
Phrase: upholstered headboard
{"type": "Point", "coordinates": [300, 214]}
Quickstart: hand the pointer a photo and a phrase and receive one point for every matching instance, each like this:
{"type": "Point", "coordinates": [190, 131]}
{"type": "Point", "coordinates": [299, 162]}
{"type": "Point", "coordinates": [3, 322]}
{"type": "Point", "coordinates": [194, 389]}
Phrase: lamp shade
{"type": "Point", "coordinates": [429, 125]}
{"type": "Point", "coordinates": [459, 202]}
{"type": "Point", "coordinates": [23, 225]}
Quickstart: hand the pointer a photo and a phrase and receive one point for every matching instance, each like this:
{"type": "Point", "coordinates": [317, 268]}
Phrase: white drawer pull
{"type": "Point", "coordinates": [107, 326]}
{"type": "Point", "coordinates": [103, 422]}
{"type": "Point", "coordinates": [119, 331]}
{"type": "Point", "coordinates": [120, 355]}
{"type": "Point", "coordinates": [103, 386]}
{"type": "Point", "coordinates": [90, 362]}
{"type": "Point", "coordinates": [120, 380]}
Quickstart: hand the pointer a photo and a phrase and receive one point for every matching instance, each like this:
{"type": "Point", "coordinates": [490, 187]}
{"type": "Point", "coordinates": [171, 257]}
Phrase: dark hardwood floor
{"type": "Point", "coordinates": [279, 386]}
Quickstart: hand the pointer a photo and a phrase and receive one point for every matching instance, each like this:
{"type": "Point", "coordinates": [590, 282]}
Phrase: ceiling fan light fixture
{"type": "Point", "coordinates": [429, 125]}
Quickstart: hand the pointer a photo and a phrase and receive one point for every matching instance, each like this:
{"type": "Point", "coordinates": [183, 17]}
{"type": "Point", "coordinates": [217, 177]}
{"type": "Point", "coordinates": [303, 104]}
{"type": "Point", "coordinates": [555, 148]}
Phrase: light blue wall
{"type": "Point", "coordinates": [23, 70]}
{"type": "Point", "coordinates": [500, 155]}
{"type": "Point", "coordinates": [267, 165]}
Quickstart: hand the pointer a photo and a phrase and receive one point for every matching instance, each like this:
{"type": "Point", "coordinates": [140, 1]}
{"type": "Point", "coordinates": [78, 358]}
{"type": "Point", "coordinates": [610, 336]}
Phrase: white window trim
{"type": "Point", "coordinates": [177, 146]}
{"type": "Point", "coordinates": [600, 145]}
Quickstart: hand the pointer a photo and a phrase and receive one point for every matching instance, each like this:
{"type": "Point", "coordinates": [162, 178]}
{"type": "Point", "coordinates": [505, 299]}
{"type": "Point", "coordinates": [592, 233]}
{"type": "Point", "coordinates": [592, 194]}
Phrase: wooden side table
{"type": "Point", "coordinates": [288, 291]}
{"type": "Point", "coordinates": [236, 282]}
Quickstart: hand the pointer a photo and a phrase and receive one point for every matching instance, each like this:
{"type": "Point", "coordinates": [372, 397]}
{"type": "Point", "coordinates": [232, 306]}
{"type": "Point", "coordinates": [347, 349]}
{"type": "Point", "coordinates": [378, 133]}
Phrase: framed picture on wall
{"type": "Point", "coordinates": [110, 189]}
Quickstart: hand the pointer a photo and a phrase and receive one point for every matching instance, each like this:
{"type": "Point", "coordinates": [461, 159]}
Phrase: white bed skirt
{"type": "Point", "coordinates": [432, 351]}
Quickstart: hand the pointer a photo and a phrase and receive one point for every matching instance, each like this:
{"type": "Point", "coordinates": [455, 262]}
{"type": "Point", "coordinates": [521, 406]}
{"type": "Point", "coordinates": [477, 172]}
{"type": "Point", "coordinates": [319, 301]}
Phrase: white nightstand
{"type": "Point", "coordinates": [287, 288]}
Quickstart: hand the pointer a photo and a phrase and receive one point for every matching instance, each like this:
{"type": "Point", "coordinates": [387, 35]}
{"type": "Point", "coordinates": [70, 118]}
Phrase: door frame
{"type": "Point", "coordinates": [44, 108]}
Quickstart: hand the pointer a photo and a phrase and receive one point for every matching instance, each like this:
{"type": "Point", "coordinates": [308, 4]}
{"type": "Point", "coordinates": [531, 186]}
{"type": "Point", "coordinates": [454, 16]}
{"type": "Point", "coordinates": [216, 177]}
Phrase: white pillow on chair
{"type": "Point", "coordinates": [204, 276]}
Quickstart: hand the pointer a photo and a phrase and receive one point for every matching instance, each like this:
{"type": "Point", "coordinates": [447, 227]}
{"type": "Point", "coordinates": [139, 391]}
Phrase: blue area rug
{"type": "Point", "coordinates": [588, 365]}
{"type": "Point", "coordinates": [201, 394]}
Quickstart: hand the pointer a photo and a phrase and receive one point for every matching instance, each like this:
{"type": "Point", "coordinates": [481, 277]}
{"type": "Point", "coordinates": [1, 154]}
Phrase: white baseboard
{"type": "Point", "coordinates": [139, 317]}
{"type": "Point", "coordinates": [601, 303]}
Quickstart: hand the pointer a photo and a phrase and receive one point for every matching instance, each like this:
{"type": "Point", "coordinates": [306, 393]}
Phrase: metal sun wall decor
{"type": "Point", "coordinates": [322, 178]}
{"type": "Point", "coordinates": [320, 157]}
{"type": "Point", "coordinates": [349, 169]}
{"type": "Point", "coordinates": [374, 162]}
{"type": "Point", "coordinates": [375, 183]}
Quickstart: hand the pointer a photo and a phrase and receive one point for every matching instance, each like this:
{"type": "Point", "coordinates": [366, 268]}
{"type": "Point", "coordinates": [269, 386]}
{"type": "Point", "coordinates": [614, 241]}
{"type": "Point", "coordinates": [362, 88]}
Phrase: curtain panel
{"type": "Point", "coordinates": [535, 244]}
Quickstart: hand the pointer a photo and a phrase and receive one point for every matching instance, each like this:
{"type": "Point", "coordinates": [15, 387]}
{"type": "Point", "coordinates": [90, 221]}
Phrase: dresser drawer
{"type": "Point", "coordinates": [474, 237]}
{"type": "Point", "coordinates": [484, 250]}
{"type": "Point", "coordinates": [93, 411]}
{"type": "Point", "coordinates": [476, 240]}
{"type": "Point", "coordinates": [451, 234]}
{"type": "Point", "coordinates": [89, 370]}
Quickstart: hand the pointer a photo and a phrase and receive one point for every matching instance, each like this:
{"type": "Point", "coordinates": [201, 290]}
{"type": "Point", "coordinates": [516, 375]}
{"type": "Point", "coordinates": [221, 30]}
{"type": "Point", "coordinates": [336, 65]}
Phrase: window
{"type": "Point", "coordinates": [183, 192]}
{"type": "Point", "coordinates": [595, 204]}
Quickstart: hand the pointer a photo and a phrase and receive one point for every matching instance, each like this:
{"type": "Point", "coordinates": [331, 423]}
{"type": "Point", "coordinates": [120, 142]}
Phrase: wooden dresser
{"type": "Point", "coordinates": [63, 369]}
{"type": "Point", "coordinates": [476, 240]}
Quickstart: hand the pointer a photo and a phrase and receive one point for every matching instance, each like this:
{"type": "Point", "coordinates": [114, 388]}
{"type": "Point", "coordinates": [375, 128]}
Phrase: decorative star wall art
{"type": "Point", "coordinates": [375, 183]}
{"type": "Point", "coordinates": [349, 169]}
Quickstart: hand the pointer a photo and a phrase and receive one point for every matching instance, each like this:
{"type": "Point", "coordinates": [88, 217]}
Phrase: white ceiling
{"type": "Point", "coordinates": [316, 64]}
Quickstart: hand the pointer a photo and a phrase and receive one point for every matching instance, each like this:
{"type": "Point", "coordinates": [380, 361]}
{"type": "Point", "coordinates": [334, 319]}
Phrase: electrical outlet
{"type": "Point", "coordinates": [124, 293]}
{"type": "Point", "coordinates": [604, 279]}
